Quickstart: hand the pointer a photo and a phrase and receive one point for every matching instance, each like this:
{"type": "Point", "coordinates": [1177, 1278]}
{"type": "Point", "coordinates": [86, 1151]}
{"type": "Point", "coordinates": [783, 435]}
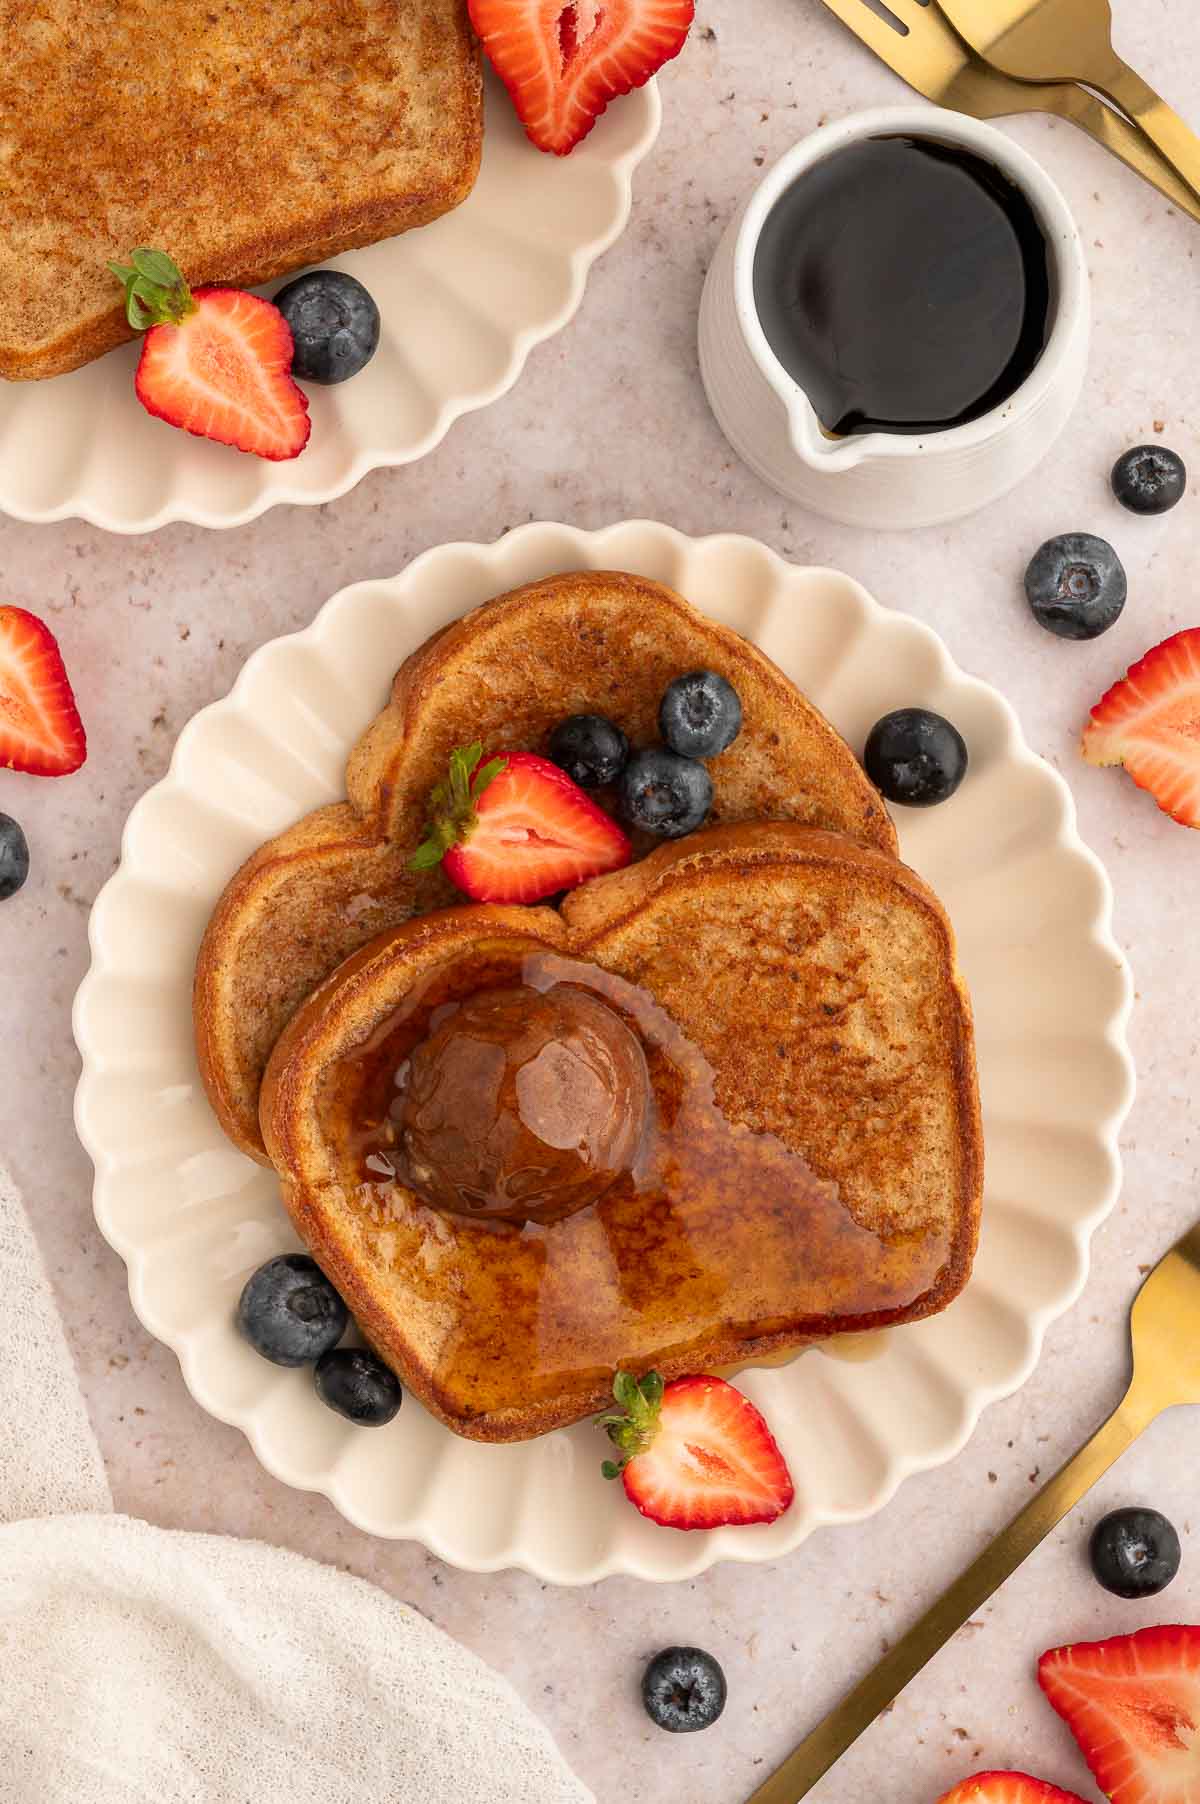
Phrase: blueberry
{"type": "Point", "coordinates": [1149, 479]}
{"type": "Point", "coordinates": [590, 749]}
{"type": "Point", "coordinates": [334, 322]}
{"type": "Point", "coordinates": [359, 1386]}
{"type": "Point", "coordinates": [1135, 1553]}
{"type": "Point", "coordinates": [700, 714]}
{"type": "Point", "coordinates": [915, 757]}
{"type": "Point", "coordinates": [683, 1689]}
{"type": "Point", "coordinates": [14, 857]}
{"type": "Point", "coordinates": [290, 1312]}
{"type": "Point", "coordinates": [1076, 586]}
{"type": "Point", "coordinates": [665, 794]}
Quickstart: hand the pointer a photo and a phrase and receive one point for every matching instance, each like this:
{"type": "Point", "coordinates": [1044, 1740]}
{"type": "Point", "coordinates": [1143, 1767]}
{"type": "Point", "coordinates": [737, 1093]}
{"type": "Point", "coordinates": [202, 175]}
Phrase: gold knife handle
{"type": "Point", "coordinates": [830, 1739]}
{"type": "Point", "coordinates": [1173, 139]}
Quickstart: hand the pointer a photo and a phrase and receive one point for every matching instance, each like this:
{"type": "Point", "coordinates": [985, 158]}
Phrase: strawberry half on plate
{"type": "Point", "coordinates": [516, 829]}
{"type": "Point", "coordinates": [1149, 721]}
{"type": "Point", "coordinates": [40, 728]}
{"type": "Point", "coordinates": [1133, 1705]}
{"type": "Point", "coordinates": [1007, 1788]}
{"type": "Point", "coordinates": [562, 61]}
{"type": "Point", "coordinates": [695, 1453]}
{"type": "Point", "coordinates": [216, 362]}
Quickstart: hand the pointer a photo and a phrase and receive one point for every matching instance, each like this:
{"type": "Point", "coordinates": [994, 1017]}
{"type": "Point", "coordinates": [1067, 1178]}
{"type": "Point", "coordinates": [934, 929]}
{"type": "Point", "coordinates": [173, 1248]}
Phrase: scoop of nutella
{"type": "Point", "coordinates": [523, 1105]}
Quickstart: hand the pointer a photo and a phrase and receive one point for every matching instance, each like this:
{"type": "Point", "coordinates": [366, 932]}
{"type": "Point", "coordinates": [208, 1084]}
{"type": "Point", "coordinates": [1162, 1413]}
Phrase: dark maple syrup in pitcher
{"type": "Point", "coordinates": [905, 285]}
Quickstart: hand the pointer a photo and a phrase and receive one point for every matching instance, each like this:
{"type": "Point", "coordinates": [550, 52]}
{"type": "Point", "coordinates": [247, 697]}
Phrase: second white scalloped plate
{"type": "Point", "coordinates": [192, 1218]}
{"type": "Point", "coordinates": [463, 302]}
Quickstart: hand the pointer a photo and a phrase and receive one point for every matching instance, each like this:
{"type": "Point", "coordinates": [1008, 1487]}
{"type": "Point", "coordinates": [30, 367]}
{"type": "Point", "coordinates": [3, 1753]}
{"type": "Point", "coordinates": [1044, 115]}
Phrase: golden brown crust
{"type": "Point", "coordinates": [701, 874]}
{"type": "Point", "coordinates": [601, 641]}
{"type": "Point", "coordinates": [246, 141]}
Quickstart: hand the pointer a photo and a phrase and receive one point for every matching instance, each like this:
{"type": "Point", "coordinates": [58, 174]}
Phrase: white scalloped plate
{"type": "Point", "coordinates": [191, 1217]}
{"type": "Point", "coordinates": [463, 302]}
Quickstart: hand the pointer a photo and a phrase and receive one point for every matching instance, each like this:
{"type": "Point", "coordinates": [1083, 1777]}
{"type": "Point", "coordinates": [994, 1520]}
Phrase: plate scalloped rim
{"type": "Point", "coordinates": [539, 548]}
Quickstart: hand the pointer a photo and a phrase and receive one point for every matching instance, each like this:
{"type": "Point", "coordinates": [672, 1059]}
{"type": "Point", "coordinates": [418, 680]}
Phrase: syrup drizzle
{"type": "Point", "coordinates": [718, 1231]}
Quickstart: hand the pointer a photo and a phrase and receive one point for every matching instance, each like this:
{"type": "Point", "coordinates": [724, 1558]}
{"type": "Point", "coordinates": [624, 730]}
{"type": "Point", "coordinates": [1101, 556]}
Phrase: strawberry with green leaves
{"type": "Point", "coordinates": [215, 361]}
{"type": "Point", "coordinates": [515, 828]}
{"type": "Point", "coordinates": [695, 1453]}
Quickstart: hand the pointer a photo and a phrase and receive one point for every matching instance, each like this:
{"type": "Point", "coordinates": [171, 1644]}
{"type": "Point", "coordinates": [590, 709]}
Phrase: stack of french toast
{"type": "Point", "coordinates": [747, 1050]}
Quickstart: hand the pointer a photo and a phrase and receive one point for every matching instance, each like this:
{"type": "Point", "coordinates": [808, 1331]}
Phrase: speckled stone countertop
{"type": "Point", "coordinates": [610, 421]}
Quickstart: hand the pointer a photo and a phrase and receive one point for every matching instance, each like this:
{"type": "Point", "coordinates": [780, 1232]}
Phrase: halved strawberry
{"type": "Point", "coordinates": [1133, 1705]}
{"type": "Point", "coordinates": [1149, 721]}
{"type": "Point", "coordinates": [695, 1453]}
{"type": "Point", "coordinates": [516, 829]}
{"type": "Point", "coordinates": [216, 362]}
{"type": "Point", "coordinates": [1007, 1788]}
{"type": "Point", "coordinates": [564, 60]}
{"type": "Point", "coordinates": [40, 728]}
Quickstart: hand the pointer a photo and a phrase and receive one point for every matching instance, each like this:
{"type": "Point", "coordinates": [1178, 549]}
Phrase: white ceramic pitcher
{"type": "Point", "coordinates": [888, 479]}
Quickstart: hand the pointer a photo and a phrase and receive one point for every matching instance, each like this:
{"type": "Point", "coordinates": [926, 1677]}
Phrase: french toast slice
{"type": "Point", "coordinates": [816, 977]}
{"type": "Point", "coordinates": [585, 642]}
{"type": "Point", "coordinates": [245, 140]}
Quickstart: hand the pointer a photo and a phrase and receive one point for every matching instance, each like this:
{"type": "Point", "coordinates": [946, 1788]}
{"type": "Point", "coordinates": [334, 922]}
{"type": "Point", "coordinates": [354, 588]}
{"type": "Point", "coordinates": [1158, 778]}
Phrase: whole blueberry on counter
{"type": "Point", "coordinates": [683, 1689]}
{"type": "Point", "coordinates": [1075, 585]}
{"type": "Point", "coordinates": [334, 324]}
{"type": "Point", "coordinates": [1149, 479]}
{"type": "Point", "coordinates": [915, 757]}
{"type": "Point", "coordinates": [1134, 1552]}
{"type": "Point", "coordinates": [290, 1312]}
{"type": "Point", "coordinates": [14, 857]}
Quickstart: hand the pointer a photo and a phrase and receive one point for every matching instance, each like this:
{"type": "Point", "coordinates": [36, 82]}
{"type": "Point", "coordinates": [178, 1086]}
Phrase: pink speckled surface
{"type": "Point", "coordinates": [610, 421]}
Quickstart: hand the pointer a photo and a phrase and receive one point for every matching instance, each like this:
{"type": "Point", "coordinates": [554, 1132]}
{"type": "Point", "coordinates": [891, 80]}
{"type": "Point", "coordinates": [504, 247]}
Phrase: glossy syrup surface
{"type": "Point", "coordinates": [717, 1231]}
{"type": "Point", "coordinates": [904, 285]}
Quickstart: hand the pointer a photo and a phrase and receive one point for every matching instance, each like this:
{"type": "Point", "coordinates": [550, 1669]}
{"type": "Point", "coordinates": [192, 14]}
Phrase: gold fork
{"type": "Point", "coordinates": [1165, 1325]}
{"type": "Point", "coordinates": [1071, 40]}
{"type": "Point", "coordinates": [925, 50]}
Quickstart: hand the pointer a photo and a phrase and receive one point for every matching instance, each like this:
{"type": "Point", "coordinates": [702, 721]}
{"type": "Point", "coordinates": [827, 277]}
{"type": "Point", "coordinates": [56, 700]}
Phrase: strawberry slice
{"type": "Point", "coordinates": [695, 1453]}
{"type": "Point", "coordinates": [516, 829]}
{"type": "Point", "coordinates": [562, 61]}
{"type": "Point", "coordinates": [1007, 1788]}
{"type": "Point", "coordinates": [40, 728]}
{"type": "Point", "coordinates": [1150, 722]}
{"type": "Point", "coordinates": [216, 362]}
{"type": "Point", "coordinates": [1133, 1705]}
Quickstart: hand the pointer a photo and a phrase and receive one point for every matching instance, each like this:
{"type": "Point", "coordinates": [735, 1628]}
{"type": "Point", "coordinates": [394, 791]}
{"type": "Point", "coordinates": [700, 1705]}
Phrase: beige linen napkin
{"type": "Point", "coordinates": [144, 1666]}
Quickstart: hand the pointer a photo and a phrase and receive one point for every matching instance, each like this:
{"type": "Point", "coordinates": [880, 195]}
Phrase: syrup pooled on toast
{"type": "Point", "coordinates": [711, 1228]}
{"type": "Point", "coordinates": [904, 285]}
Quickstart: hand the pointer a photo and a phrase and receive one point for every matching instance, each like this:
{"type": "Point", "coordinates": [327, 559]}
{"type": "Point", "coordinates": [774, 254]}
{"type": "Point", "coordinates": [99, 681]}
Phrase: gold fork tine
{"type": "Point", "coordinates": [1165, 1325]}
{"type": "Point", "coordinates": [1071, 40]}
{"type": "Point", "coordinates": [933, 59]}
